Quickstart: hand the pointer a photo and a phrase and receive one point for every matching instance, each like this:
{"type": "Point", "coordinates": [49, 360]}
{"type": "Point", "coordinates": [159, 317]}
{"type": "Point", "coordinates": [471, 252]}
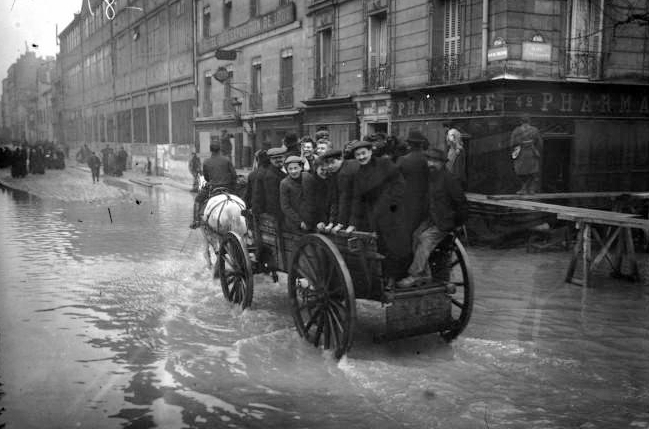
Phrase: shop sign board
{"type": "Point", "coordinates": [497, 53]}
{"type": "Point", "coordinates": [534, 51]}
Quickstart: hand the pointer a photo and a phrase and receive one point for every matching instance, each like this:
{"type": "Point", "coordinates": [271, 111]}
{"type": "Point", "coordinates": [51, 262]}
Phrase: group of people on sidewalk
{"type": "Point", "coordinates": [32, 158]}
{"type": "Point", "coordinates": [404, 192]}
{"type": "Point", "coordinates": [114, 163]}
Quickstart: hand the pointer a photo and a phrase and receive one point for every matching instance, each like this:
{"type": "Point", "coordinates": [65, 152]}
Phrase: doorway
{"type": "Point", "coordinates": [555, 164]}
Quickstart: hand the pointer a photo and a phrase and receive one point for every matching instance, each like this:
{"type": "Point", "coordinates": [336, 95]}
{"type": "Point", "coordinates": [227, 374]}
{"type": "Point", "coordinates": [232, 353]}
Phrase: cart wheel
{"type": "Point", "coordinates": [321, 294]}
{"type": "Point", "coordinates": [449, 265]}
{"type": "Point", "coordinates": [235, 270]}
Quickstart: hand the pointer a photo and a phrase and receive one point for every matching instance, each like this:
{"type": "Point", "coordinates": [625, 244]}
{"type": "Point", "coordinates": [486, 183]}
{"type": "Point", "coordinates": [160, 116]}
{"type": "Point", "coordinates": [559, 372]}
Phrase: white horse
{"type": "Point", "coordinates": [223, 213]}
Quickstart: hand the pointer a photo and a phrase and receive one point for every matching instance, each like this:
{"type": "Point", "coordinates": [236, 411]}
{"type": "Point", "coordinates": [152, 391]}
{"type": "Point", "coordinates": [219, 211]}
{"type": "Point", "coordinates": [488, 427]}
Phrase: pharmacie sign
{"type": "Point", "coordinates": [581, 103]}
{"type": "Point", "coordinates": [465, 104]}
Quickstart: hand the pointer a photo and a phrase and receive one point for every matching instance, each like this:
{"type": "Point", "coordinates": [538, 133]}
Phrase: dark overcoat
{"type": "Point", "coordinates": [266, 194]}
{"type": "Point", "coordinates": [447, 205]}
{"type": "Point", "coordinates": [378, 206]}
{"type": "Point", "coordinates": [294, 203]}
{"type": "Point", "coordinates": [219, 172]}
{"type": "Point", "coordinates": [343, 189]}
{"type": "Point", "coordinates": [320, 194]}
{"type": "Point", "coordinates": [529, 139]}
{"type": "Point", "coordinates": [414, 169]}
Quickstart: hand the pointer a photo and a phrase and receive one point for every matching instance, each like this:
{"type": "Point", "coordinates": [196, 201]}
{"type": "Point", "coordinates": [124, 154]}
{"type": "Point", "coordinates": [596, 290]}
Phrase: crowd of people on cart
{"type": "Point", "coordinates": [403, 191]}
{"type": "Point", "coordinates": [32, 158]}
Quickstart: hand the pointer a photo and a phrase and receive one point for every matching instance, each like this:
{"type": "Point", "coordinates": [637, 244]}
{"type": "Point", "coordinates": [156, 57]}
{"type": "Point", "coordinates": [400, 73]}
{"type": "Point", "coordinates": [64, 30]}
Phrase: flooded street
{"type": "Point", "coordinates": [109, 318]}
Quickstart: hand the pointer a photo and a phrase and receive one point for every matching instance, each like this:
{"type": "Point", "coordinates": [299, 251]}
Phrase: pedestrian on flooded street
{"type": "Point", "coordinates": [527, 146]}
{"type": "Point", "coordinates": [195, 169]}
{"type": "Point", "coordinates": [94, 163]}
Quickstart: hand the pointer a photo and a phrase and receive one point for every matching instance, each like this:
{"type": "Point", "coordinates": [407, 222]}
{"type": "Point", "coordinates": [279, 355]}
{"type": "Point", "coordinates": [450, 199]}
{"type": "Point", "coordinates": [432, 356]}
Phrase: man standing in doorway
{"type": "Point", "coordinates": [527, 146]}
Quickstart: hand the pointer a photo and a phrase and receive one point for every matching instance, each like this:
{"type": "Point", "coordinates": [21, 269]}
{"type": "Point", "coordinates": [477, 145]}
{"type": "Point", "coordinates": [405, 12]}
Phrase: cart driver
{"type": "Point", "coordinates": [447, 210]}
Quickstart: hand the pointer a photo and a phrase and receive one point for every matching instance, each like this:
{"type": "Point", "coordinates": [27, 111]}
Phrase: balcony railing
{"type": "Point", "coordinates": [377, 78]}
{"type": "Point", "coordinates": [324, 86]}
{"type": "Point", "coordinates": [444, 69]}
{"type": "Point", "coordinates": [285, 98]}
{"type": "Point", "coordinates": [256, 102]}
{"type": "Point", "coordinates": [583, 64]}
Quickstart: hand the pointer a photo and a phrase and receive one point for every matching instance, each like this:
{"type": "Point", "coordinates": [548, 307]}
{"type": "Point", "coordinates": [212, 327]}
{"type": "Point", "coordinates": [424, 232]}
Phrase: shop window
{"type": "Point", "coordinates": [324, 57]}
{"type": "Point", "coordinates": [584, 53]}
{"type": "Point", "coordinates": [377, 51]}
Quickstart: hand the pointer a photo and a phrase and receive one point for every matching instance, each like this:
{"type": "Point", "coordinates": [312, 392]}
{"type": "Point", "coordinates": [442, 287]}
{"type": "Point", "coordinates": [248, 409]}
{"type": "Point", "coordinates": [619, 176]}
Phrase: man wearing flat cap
{"type": "Point", "coordinates": [295, 207]}
{"type": "Point", "coordinates": [218, 172]}
{"type": "Point", "coordinates": [414, 168]}
{"type": "Point", "coordinates": [265, 198]}
{"type": "Point", "coordinates": [447, 209]}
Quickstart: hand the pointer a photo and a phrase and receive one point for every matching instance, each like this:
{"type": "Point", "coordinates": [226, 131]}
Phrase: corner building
{"type": "Point", "coordinates": [578, 68]}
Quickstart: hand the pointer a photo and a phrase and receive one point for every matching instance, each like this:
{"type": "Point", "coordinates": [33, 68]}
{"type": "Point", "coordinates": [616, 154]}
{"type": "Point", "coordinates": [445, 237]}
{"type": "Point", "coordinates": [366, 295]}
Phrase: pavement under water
{"type": "Point", "coordinates": [109, 318]}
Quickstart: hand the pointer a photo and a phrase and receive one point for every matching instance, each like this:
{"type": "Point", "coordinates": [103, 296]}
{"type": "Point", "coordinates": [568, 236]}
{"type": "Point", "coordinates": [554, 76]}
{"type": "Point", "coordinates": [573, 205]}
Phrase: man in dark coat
{"type": "Point", "coordinates": [122, 157]}
{"type": "Point", "coordinates": [266, 194]}
{"type": "Point", "coordinates": [297, 214]}
{"type": "Point", "coordinates": [195, 169]}
{"type": "Point", "coordinates": [342, 176]}
{"type": "Point", "coordinates": [320, 195]}
{"type": "Point", "coordinates": [292, 144]}
{"type": "Point", "coordinates": [104, 159]}
{"type": "Point", "coordinates": [377, 205]}
{"type": "Point", "coordinates": [414, 169]}
{"type": "Point", "coordinates": [260, 164]}
{"type": "Point", "coordinates": [219, 173]}
{"type": "Point", "coordinates": [527, 146]}
{"type": "Point", "coordinates": [447, 209]}
{"type": "Point", "coordinates": [94, 163]}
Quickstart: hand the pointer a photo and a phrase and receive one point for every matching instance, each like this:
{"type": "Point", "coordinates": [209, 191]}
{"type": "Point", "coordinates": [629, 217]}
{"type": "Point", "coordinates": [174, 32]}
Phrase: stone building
{"type": "Point", "coordinates": [127, 79]}
{"type": "Point", "coordinates": [251, 67]}
{"type": "Point", "coordinates": [579, 68]}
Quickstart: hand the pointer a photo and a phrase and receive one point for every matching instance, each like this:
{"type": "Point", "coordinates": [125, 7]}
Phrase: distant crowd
{"type": "Point", "coordinates": [32, 158]}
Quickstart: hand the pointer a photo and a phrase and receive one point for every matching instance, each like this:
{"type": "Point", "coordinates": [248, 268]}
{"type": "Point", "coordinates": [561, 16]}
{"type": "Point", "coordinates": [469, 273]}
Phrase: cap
{"type": "Point", "coordinates": [291, 159]}
{"type": "Point", "coordinates": [417, 138]}
{"type": "Point", "coordinates": [276, 151]}
{"type": "Point", "coordinates": [332, 153]}
{"type": "Point", "coordinates": [357, 144]}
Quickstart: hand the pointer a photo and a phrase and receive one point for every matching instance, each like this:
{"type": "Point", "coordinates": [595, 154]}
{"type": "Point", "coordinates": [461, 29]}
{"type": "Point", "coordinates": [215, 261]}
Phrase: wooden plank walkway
{"type": "Point", "coordinates": [618, 236]}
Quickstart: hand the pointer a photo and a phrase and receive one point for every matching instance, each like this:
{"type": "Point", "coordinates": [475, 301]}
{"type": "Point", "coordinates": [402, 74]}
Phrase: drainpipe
{"type": "Point", "coordinates": [485, 34]}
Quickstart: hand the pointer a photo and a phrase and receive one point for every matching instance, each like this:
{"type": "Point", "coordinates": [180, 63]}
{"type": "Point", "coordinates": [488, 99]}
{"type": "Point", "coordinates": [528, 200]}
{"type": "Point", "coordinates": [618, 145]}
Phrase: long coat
{"type": "Point", "coordinates": [447, 205]}
{"type": "Point", "coordinates": [414, 169]}
{"type": "Point", "coordinates": [378, 206]}
{"type": "Point", "coordinates": [294, 203]}
{"type": "Point", "coordinates": [343, 191]}
{"type": "Point", "coordinates": [219, 171]}
{"type": "Point", "coordinates": [320, 196]}
{"type": "Point", "coordinates": [529, 139]}
{"type": "Point", "coordinates": [266, 194]}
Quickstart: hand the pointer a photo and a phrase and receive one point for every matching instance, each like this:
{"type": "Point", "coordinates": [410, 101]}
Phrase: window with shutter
{"type": "Point", "coordinates": [451, 39]}
{"type": "Point", "coordinates": [207, 94]}
{"type": "Point", "coordinates": [324, 59]}
{"type": "Point", "coordinates": [377, 51]}
{"type": "Point", "coordinates": [585, 38]}
{"type": "Point", "coordinates": [285, 93]}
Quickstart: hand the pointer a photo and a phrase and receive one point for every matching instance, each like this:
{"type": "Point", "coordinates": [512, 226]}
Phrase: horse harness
{"type": "Point", "coordinates": [221, 205]}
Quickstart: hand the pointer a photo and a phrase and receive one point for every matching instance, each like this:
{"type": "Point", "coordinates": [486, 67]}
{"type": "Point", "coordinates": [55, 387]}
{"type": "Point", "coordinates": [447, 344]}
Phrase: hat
{"type": "Point", "coordinates": [357, 144]}
{"type": "Point", "coordinates": [321, 134]}
{"type": "Point", "coordinates": [291, 159]}
{"type": "Point", "coordinates": [416, 138]}
{"type": "Point", "coordinates": [290, 139]}
{"type": "Point", "coordinates": [215, 146]}
{"type": "Point", "coordinates": [436, 154]}
{"type": "Point", "coordinates": [276, 151]}
{"type": "Point", "coordinates": [332, 153]}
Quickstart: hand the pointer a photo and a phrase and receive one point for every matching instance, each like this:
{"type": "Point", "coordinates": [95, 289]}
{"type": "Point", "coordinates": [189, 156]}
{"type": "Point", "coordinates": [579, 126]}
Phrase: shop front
{"type": "Point", "coordinates": [336, 115]}
{"type": "Point", "coordinates": [594, 134]}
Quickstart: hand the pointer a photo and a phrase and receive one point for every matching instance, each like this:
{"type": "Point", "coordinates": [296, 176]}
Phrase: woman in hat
{"type": "Point", "coordinates": [377, 205]}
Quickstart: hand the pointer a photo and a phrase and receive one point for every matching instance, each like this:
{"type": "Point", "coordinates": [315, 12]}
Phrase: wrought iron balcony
{"type": "Point", "coordinates": [256, 102]}
{"type": "Point", "coordinates": [377, 78]}
{"type": "Point", "coordinates": [324, 86]}
{"type": "Point", "coordinates": [285, 98]}
{"type": "Point", "coordinates": [444, 69]}
{"type": "Point", "coordinates": [583, 64]}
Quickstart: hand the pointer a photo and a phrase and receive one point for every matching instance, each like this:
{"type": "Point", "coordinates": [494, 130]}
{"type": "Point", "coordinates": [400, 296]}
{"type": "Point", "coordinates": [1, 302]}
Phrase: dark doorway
{"type": "Point", "coordinates": [555, 174]}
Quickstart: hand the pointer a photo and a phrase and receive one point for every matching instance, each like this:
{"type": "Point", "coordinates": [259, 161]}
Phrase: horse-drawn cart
{"type": "Point", "coordinates": [326, 273]}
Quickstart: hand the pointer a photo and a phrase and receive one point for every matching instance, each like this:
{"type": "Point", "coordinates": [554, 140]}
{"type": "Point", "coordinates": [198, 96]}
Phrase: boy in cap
{"type": "Point", "coordinates": [265, 197]}
{"type": "Point", "coordinates": [447, 209]}
{"type": "Point", "coordinates": [293, 201]}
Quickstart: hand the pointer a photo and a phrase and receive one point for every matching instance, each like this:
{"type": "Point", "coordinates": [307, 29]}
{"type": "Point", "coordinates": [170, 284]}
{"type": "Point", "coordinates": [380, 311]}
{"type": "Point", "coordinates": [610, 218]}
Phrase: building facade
{"type": "Point", "coordinates": [127, 79]}
{"type": "Point", "coordinates": [44, 121]}
{"type": "Point", "coordinates": [579, 68]}
{"type": "Point", "coordinates": [252, 73]}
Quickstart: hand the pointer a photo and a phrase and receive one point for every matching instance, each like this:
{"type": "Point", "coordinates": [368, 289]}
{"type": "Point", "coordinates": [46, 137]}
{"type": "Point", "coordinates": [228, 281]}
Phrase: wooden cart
{"type": "Point", "coordinates": [327, 273]}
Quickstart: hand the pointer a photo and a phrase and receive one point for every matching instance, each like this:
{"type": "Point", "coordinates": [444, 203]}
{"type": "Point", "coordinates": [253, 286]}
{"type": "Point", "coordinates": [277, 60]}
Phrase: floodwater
{"type": "Point", "coordinates": [109, 318]}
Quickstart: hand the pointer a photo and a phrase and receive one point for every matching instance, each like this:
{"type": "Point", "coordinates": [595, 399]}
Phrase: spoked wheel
{"type": "Point", "coordinates": [449, 266]}
{"type": "Point", "coordinates": [235, 270]}
{"type": "Point", "coordinates": [321, 294]}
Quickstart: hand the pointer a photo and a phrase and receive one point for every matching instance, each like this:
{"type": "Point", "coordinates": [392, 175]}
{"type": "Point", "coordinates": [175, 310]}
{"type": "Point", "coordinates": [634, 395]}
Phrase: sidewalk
{"type": "Point", "coordinates": [138, 177]}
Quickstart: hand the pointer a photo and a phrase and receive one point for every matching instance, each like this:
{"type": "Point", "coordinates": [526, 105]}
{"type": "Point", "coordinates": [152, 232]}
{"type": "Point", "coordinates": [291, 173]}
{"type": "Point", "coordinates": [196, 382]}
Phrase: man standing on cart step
{"type": "Point", "coordinates": [448, 209]}
{"type": "Point", "coordinates": [219, 173]}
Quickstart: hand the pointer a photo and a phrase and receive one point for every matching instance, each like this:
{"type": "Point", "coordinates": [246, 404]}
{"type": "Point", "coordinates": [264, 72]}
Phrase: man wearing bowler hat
{"type": "Point", "coordinates": [447, 209]}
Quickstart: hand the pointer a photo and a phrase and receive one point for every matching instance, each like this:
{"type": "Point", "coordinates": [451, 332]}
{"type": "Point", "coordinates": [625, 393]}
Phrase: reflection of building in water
{"type": "Point", "coordinates": [128, 80]}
